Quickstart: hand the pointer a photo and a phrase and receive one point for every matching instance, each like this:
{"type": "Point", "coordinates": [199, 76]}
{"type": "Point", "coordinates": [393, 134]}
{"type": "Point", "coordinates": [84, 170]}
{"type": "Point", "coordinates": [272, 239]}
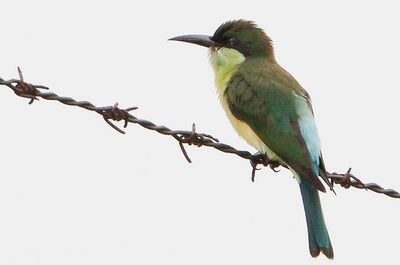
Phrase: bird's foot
{"type": "Point", "coordinates": [261, 159]}
{"type": "Point", "coordinates": [273, 165]}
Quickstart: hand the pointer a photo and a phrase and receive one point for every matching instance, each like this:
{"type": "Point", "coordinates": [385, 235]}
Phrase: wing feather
{"type": "Point", "coordinates": [267, 102]}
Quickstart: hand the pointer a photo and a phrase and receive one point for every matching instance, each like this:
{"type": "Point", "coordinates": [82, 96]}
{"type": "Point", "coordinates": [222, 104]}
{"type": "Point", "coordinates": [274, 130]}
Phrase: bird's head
{"type": "Point", "coordinates": [242, 36]}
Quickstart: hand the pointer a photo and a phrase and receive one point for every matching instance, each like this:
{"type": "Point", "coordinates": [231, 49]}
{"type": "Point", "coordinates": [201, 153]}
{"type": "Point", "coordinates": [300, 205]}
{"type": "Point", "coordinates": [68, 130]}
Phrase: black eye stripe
{"type": "Point", "coordinates": [234, 43]}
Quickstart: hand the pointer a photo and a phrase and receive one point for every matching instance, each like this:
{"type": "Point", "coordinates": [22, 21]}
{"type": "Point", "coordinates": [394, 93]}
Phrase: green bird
{"type": "Point", "coordinates": [271, 111]}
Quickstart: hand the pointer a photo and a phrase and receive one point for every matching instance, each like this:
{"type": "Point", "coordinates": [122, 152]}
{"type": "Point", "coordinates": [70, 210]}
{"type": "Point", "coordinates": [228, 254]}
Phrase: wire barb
{"type": "Point", "coordinates": [23, 89]}
{"type": "Point", "coordinates": [26, 90]}
{"type": "Point", "coordinates": [193, 138]}
{"type": "Point", "coordinates": [116, 114]}
{"type": "Point", "coordinates": [346, 180]}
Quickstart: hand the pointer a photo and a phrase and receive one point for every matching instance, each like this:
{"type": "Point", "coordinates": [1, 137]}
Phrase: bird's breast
{"type": "Point", "coordinates": [226, 63]}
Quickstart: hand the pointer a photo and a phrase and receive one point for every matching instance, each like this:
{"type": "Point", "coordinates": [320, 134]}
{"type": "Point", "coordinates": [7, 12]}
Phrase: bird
{"type": "Point", "coordinates": [271, 111]}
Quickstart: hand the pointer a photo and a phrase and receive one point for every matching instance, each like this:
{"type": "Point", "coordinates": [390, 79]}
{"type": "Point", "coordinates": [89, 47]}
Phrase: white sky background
{"type": "Point", "coordinates": [74, 191]}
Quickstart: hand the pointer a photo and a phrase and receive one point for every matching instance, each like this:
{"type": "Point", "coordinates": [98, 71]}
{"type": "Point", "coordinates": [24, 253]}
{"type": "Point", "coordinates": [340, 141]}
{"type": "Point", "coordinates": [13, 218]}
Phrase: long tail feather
{"type": "Point", "coordinates": [318, 237]}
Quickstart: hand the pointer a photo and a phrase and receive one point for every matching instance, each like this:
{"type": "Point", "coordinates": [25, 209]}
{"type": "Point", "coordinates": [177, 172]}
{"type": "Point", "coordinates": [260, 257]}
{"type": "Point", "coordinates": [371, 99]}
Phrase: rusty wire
{"type": "Point", "coordinates": [114, 113]}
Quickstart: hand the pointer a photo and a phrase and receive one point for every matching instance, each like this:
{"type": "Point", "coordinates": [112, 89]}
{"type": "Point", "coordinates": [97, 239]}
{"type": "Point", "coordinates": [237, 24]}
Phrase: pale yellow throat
{"type": "Point", "coordinates": [225, 63]}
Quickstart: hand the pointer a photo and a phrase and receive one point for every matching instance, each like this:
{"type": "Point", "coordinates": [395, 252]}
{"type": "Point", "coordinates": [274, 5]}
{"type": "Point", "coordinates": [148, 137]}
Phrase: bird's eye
{"type": "Point", "coordinates": [233, 41]}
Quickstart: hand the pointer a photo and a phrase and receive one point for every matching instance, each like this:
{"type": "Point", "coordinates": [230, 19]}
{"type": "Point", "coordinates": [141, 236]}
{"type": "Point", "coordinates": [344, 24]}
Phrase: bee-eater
{"type": "Point", "coordinates": [271, 111]}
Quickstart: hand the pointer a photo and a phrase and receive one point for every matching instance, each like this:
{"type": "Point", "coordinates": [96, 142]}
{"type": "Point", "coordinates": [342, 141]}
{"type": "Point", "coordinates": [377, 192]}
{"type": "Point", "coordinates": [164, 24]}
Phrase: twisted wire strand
{"type": "Point", "coordinates": [33, 92]}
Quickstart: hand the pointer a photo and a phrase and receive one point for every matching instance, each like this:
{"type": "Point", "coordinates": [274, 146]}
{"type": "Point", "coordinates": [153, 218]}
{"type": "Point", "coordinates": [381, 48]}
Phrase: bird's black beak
{"type": "Point", "coordinates": [202, 40]}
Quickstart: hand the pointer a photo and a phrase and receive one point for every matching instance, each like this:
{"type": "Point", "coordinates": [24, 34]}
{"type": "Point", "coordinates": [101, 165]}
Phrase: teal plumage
{"type": "Point", "coordinates": [318, 237]}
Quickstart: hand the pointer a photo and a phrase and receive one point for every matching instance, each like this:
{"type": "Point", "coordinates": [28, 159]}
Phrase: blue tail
{"type": "Point", "coordinates": [318, 237]}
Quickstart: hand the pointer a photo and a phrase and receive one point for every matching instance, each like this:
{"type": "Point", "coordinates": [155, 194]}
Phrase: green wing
{"type": "Point", "coordinates": [265, 97]}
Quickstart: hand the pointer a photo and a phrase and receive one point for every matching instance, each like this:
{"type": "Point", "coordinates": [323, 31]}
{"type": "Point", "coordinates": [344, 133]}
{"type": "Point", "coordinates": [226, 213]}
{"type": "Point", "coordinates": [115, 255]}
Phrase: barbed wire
{"type": "Point", "coordinates": [114, 113]}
